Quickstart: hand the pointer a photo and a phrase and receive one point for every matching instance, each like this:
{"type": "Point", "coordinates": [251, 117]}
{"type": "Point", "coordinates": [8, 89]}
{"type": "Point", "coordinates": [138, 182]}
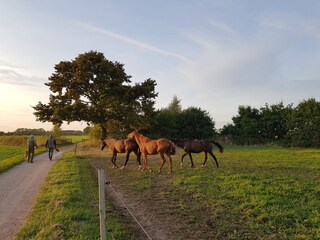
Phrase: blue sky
{"type": "Point", "coordinates": [211, 54]}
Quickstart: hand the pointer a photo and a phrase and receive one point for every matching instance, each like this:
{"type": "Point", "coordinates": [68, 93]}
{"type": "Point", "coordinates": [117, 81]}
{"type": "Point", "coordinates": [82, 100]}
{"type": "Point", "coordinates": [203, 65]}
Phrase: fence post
{"type": "Point", "coordinates": [102, 205]}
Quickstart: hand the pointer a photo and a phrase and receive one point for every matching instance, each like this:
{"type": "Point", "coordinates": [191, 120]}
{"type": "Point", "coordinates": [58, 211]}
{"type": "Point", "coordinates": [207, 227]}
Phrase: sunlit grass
{"type": "Point", "coordinates": [256, 193]}
{"type": "Point", "coordinates": [67, 207]}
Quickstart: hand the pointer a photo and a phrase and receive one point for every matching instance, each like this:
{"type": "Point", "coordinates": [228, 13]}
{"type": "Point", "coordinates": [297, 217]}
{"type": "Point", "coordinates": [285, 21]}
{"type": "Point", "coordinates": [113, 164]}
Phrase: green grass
{"type": "Point", "coordinates": [13, 155]}
{"type": "Point", "coordinates": [67, 207]}
{"type": "Point", "coordinates": [12, 149]}
{"type": "Point", "coordinates": [257, 193]}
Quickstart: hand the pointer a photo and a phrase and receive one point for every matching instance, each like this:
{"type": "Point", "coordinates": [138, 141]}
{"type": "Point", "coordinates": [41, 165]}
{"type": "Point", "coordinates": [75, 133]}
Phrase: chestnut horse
{"type": "Point", "coordinates": [160, 146]}
{"type": "Point", "coordinates": [122, 146]}
{"type": "Point", "coordinates": [198, 147]}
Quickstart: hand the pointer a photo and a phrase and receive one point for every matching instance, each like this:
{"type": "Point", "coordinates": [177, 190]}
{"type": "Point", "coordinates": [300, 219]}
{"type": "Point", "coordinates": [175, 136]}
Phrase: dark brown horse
{"type": "Point", "coordinates": [122, 146]}
{"type": "Point", "coordinates": [160, 146]}
{"type": "Point", "coordinates": [198, 147]}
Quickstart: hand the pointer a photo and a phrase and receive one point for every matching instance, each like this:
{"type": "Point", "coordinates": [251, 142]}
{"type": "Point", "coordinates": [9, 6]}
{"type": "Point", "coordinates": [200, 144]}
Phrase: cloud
{"type": "Point", "coordinates": [14, 77]}
{"type": "Point", "coordinates": [133, 42]}
{"type": "Point", "coordinates": [292, 23]}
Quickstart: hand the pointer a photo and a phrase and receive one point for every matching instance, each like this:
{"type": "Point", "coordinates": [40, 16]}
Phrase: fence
{"type": "Point", "coordinates": [102, 190]}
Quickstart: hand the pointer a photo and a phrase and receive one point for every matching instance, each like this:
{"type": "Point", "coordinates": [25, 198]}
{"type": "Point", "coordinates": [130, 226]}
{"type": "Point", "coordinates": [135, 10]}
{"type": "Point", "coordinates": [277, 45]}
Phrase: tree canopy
{"type": "Point", "coordinates": [93, 89]}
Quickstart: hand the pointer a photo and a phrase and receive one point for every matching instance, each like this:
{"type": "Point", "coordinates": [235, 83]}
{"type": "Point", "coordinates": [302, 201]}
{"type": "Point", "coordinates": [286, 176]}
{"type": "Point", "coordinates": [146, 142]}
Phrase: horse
{"type": "Point", "coordinates": [148, 146]}
{"type": "Point", "coordinates": [122, 146]}
{"type": "Point", "coordinates": [198, 146]}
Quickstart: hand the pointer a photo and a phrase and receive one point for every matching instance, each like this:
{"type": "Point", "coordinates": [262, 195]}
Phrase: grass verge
{"type": "Point", "coordinates": [67, 207]}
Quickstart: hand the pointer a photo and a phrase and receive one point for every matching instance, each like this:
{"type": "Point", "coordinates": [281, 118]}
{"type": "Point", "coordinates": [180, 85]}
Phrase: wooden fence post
{"type": "Point", "coordinates": [102, 205]}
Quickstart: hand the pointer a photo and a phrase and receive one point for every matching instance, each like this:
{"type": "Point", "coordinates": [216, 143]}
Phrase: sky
{"type": "Point", "coordinates": [212, 54]}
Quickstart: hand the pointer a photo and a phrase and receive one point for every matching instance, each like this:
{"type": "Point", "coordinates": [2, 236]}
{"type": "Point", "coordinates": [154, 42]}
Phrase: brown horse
{"type": "Point", "coordinates": [198, 147]}
{"type": "Point", "coordinates": [122, 146]}
{"type": "Point", "coordinates": [151, 147]}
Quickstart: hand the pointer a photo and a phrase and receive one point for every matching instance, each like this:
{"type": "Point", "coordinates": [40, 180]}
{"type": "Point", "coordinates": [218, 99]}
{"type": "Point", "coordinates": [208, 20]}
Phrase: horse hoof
{"type": "Point", "coordinates": [122, 167]}
{"type": "Point", "coordinates": [202, 165]}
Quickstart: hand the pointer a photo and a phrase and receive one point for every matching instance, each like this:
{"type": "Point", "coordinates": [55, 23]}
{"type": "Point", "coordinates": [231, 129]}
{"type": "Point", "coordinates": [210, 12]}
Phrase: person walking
{"type": "Point", "coordinates": [51, 145]}
{"type": "Point", "coordinates": [31, 145]}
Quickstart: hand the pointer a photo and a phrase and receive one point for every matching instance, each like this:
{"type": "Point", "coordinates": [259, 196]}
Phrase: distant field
{"type": "Point", "coordinates": [10, 156]}
{"type": "Point", "coordinates": [12, 148]}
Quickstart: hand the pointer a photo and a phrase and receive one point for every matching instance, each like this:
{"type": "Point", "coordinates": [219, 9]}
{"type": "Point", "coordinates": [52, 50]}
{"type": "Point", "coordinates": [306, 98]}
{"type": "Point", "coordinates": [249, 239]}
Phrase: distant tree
{"type": "Point", "coordinates": [56, 131]}
{"type": "Point", "coordinates": [246, 128]}
{"type": "Point", "coordinates": [29, 131]}
{"type": "Point", "coordinates": [175, 105]}
{"type": "Point", "coordinates": [304, 124]}
{"type": "Point", "coordinates": [86, 130]}
{"type": "Point", "coordinates": [273, 121]}
{"type": "Point", "coordinates": [165, 124]}
{"type": "Point", "coordinates": [93, 89]}
{"type": "Point", "coordinates": [94, 132]}
{"type": "Point", "coordinates": [195, 123]}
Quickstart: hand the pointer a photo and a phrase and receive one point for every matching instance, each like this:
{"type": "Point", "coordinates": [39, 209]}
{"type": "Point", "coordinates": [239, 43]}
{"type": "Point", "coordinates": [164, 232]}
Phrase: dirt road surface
{"type": "Point", "coordinates": [18, 190]}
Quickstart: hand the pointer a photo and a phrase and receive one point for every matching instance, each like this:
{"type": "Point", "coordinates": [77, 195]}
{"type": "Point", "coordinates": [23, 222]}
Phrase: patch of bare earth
{"type": "Point", "coordinates": [156, 208]}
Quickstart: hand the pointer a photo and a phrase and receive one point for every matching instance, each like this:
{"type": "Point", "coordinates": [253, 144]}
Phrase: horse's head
{"type": "Point", "coordinates": [180, 143]}
{"type": "Point", "coordinates": [133, 133]}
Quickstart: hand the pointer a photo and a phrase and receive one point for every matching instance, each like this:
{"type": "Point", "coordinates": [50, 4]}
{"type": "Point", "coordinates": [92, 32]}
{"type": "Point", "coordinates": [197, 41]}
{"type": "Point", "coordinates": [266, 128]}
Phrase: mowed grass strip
{"type": "Point", "coordinates": [13, 155]}
{"type": "Point", "coordinates": [256, 193]}
{"type": "Point", "coordinates": [10, 156]}
{"type": "Point", "coordinates": [67, 207]}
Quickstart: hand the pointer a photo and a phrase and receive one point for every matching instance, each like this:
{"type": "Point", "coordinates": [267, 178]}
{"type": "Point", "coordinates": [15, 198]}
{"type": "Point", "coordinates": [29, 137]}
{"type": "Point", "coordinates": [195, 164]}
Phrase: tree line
{"type": "Point", "coordinates": [276, 124]}
{"type": "Point", "coordinates": [39, 132]}
{"type": "Point", "coordinates": [93, 89]}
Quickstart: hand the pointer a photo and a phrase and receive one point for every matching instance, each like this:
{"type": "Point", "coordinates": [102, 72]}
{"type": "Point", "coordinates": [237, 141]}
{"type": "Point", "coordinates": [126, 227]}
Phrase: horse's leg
{"type": "Point", "coordinates": [138, 154]}
{"type": "Point", "coordinates": [146, 163]}
{"type": "Point", "coordinates": [170, 163]}
{"type": "Point", "coordinates": [185, 154]}
{"type": "Point", "coordinates": [214, 157]}
{"type": "Point", "coordinates": [127, 159]}
{"type": "Point", "coordinates": [205, 158]}
{"type": "Point", "coordinates": [114, 159]}
{"type": "Point", "coordinates": [192, 165]}
{"type": "Point", "coordinates": [163, 160]}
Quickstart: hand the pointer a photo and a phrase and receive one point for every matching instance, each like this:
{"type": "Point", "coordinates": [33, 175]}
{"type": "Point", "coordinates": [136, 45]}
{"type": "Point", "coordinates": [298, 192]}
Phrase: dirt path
{"type": "Point", "coordinates": [18, 189]}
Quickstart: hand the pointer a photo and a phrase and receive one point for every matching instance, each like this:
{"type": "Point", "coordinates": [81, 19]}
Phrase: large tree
{"type": "Point", "coordinates": [93, 89]}
{"type": "Point", "coordinates": [195, 123]}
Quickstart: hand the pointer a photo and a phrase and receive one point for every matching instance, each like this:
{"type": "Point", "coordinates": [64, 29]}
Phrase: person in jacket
{"type": "Point", "coordinates": [51, 145]}
{"type": "Point", "coordinates": [31, 145]}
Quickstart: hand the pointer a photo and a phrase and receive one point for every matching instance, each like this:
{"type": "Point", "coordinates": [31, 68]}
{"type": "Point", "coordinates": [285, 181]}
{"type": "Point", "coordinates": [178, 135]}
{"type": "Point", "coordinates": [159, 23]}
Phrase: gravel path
{"type": "Point", "coordinates": [18, 190]}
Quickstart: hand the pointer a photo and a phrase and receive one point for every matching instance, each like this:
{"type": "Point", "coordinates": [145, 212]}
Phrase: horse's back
{"type": "Point", "coordinates": [198, 146]}
{"type": "Point", "coordinates": [119, 146]}
{"type": "Point", "coordinates": [131, 144]}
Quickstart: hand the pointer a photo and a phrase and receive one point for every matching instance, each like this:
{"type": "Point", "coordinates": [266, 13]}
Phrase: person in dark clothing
{"type": "Point", "coordinates": [51, 145]}
{"type": "Point", "coordinates": [31, 145]}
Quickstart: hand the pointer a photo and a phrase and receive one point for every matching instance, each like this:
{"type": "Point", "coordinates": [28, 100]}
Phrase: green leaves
{"type": "Point", "coordinates": [93, 89]}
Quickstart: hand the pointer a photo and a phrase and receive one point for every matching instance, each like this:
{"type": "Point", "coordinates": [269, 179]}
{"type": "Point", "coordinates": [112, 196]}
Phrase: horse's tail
{"type": "Point", "coordinates": [218, 145]}
{"type": "Point", "coordinates": [172, 148]}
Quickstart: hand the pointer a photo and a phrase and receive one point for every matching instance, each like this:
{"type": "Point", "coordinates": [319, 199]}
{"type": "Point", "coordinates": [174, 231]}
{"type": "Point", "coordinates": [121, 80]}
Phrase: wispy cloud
{"type": "Point", "coordinates": [292, 23]}
{"type": "Point", "coordinates": [134, 42]}
{"type": "Point", "coordinates": [13, 77]}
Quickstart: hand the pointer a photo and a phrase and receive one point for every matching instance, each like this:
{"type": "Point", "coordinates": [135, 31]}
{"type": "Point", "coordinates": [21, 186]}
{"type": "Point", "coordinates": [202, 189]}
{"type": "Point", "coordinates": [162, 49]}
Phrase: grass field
{"type": "Point", "coordinates": [12, 149]}
{"type": "Point", "coordinates": [257, 193]}
{"type": "Point", "coordinates": [67, 208]}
